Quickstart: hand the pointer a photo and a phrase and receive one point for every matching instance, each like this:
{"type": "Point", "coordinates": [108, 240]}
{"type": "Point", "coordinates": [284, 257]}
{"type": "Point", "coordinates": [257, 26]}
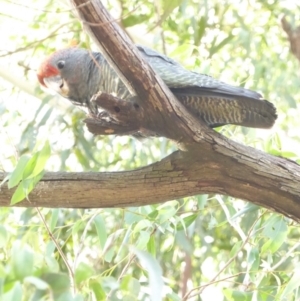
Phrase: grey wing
{"type": "Point", "coordinates": [215, 102]}
{"type": "Point", "coordinates": [172, 73]}
{"type": "Point", "coordinates": [177, 77]}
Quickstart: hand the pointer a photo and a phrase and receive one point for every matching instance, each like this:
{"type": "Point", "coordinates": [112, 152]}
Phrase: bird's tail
{"type": "Point", "coordinates": [217, 109]}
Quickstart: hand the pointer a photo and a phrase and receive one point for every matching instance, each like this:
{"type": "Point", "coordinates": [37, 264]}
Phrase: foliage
{"type": "Point", "coordinates": [205, 247]}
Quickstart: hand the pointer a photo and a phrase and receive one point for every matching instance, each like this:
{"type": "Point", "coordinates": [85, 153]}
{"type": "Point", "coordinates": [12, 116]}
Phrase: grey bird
{"type": "Point", "coordinates": [77, 74]}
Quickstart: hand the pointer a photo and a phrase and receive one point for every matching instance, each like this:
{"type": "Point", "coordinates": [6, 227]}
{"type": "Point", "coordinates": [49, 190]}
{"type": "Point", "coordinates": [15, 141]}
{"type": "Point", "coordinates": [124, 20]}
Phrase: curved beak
{"type": "Point", "coordinates": [57, 84]}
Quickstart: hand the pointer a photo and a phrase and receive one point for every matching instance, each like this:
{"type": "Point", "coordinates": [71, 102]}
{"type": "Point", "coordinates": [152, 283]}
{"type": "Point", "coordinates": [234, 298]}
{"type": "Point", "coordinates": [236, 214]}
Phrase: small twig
{"type": "Point", "coordinates": [235, 225]}
{"type": "Point", "coordinates": [283, 259]}
{"type": "Point", "coordinates": [132, 257]}
{"type": "Point", "coordinates": [30, 45]}
{"type": "Point", "coordinates": [216, 281]}
{"type": "Point", "coordinates": [60, 251]}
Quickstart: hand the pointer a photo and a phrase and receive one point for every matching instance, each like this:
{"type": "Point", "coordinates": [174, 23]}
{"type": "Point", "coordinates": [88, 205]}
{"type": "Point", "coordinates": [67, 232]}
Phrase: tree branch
{"type": "Point", "coordinates": [293, 36]}
{"type": "Point", "coordinates": [207, 162]}
{"type": "Point", "coordinates": [178, 175]}
{"type": "Point", "coordinates": [121, 117]}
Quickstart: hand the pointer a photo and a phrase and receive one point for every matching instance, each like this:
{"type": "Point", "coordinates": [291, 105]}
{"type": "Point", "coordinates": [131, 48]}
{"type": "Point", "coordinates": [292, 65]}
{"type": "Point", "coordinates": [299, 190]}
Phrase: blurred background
{"type": "Point", "coordinates": [253, 252]}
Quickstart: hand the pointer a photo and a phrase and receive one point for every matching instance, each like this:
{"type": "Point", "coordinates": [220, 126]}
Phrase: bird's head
{"type": "Point", "coordinates": [57, 71]}
{"type": "Point", "coordinates": [72, 73]}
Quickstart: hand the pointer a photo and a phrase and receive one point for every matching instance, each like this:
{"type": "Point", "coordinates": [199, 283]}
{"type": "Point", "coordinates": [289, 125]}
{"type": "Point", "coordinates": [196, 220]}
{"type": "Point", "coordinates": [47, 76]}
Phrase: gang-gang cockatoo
{"type": "Point", "coordinates": [77, 74]}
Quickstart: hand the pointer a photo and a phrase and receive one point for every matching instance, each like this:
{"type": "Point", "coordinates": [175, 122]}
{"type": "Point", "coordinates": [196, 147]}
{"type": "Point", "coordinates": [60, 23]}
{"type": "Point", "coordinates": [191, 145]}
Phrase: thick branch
{"type": "Point", "coordinates": [119, 118]}
{"type": "Point", "coordinates": [176, 176]}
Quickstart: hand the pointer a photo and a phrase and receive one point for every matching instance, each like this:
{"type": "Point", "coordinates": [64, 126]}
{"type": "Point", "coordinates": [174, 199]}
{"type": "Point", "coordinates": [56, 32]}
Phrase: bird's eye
{"type": "Point", "coordinates": [60, 64]}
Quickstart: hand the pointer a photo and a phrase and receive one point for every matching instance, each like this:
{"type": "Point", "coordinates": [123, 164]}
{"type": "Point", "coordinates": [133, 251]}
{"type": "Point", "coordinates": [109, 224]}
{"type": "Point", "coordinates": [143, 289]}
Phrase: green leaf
{"type": "Point", "coordinates": [97, 289]}
{"type": "Point", "coordinates": [14, 294]}
{"type": "Point", "coordinates": [16, 175]}
{"type": "Point", "coordinates": [216, 48]}
{"type": "Point", "coordinates": [165, 213]}
{"type": "Point", "coordinates": [143, 240]}
{"type": "Point", "coordinates": [184, 50]}
{"type": "Point", "coordinates": [77, 227]}
{"type": "Point", "coordinates": [37, 282]}
{"type": "Point", "coordinates": [151, 248]}
{"type": "Point", "coordinates": [109, 254]}
{"type": "Point", "coordinates": [154, 271]}
{"type": "Point", "coordinates": [272, 245]}
{"type": "Point", "coordinates": [184, 242]}
{"type": "Point", "coordinates": [276, 229]}
{"type": "Point", "coordinates": [291, 285]}
{"type": "Point", "coordinates": [253, 261]}
{"type": "Point", "coordinates": [108, 250]}
{"type": "Point", "coordinates": [83, 272]}
{"type": "Point", "coordinates": [168, 6]}
{"type": "Point", "coordinates": [173, 297]}
{"type": "Point", "coordinates": [29, 168]}
{"type": "Point", "coordinates": [24, 188]}
{"type": "Point", "coordinates": [3, 236]}
{"type": "Point", "coordinates": [186, 222]}
{"type": "Point", "coordinates": [101, 230]}
{"type": "Point", "coordinates": [291, 100]}
{"type": "Point", "coordinates": [51, 261]}
{"type": "Point", "coordinates": [54, 218]}
{"type": "Point", "coordinates": [143, 224]}
{"type": "Point", "coordinates": [236, 248]}
{"type": "Point", "coordinates": [233, 295]}
{"type": "Point", "coordinates": [19, 195]}
{"type": "Point", "coordinates": [123, 244]}
{"type": "Point", "coordinates": [22, 260]}
{"type": "Point", "coordinates": [200, 30]}
{"type": "Point", "coordinates": [37, 163]}
{"type": "Point", "coordinates": [152, 215]}
{"type": "Point", "coordinates": [132, 20]}
{"type": "Point", "coordinates": [45, 118]}
{"type": "Point", "coordinates": [247, 209]}
{"type": "Point", "coordinates": [67, 296]}
{"type": "Point", "coordinates": [202, 200]}
{"type": "Point", "coordinates": [131, 217]}
{"type": "Point", "coordinates": [274, 226]}
{"type": "Point", "coordinates": [59, 282]}
{"type": "Point", "coordinates": [131, 285]}
{"type": "Point", "coordinates": [30, 171]}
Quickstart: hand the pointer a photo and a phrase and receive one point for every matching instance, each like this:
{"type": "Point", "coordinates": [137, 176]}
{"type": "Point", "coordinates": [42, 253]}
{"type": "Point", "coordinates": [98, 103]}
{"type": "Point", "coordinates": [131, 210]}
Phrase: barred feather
{"type": "Point", "coordinates": [85, 73]}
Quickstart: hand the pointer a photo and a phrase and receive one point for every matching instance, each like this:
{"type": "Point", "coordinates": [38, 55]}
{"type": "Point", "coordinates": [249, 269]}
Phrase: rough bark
{"type": "Point", "coordinates": [243, 173]}
{"type": "Point", "coordinates": [206, 163]}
